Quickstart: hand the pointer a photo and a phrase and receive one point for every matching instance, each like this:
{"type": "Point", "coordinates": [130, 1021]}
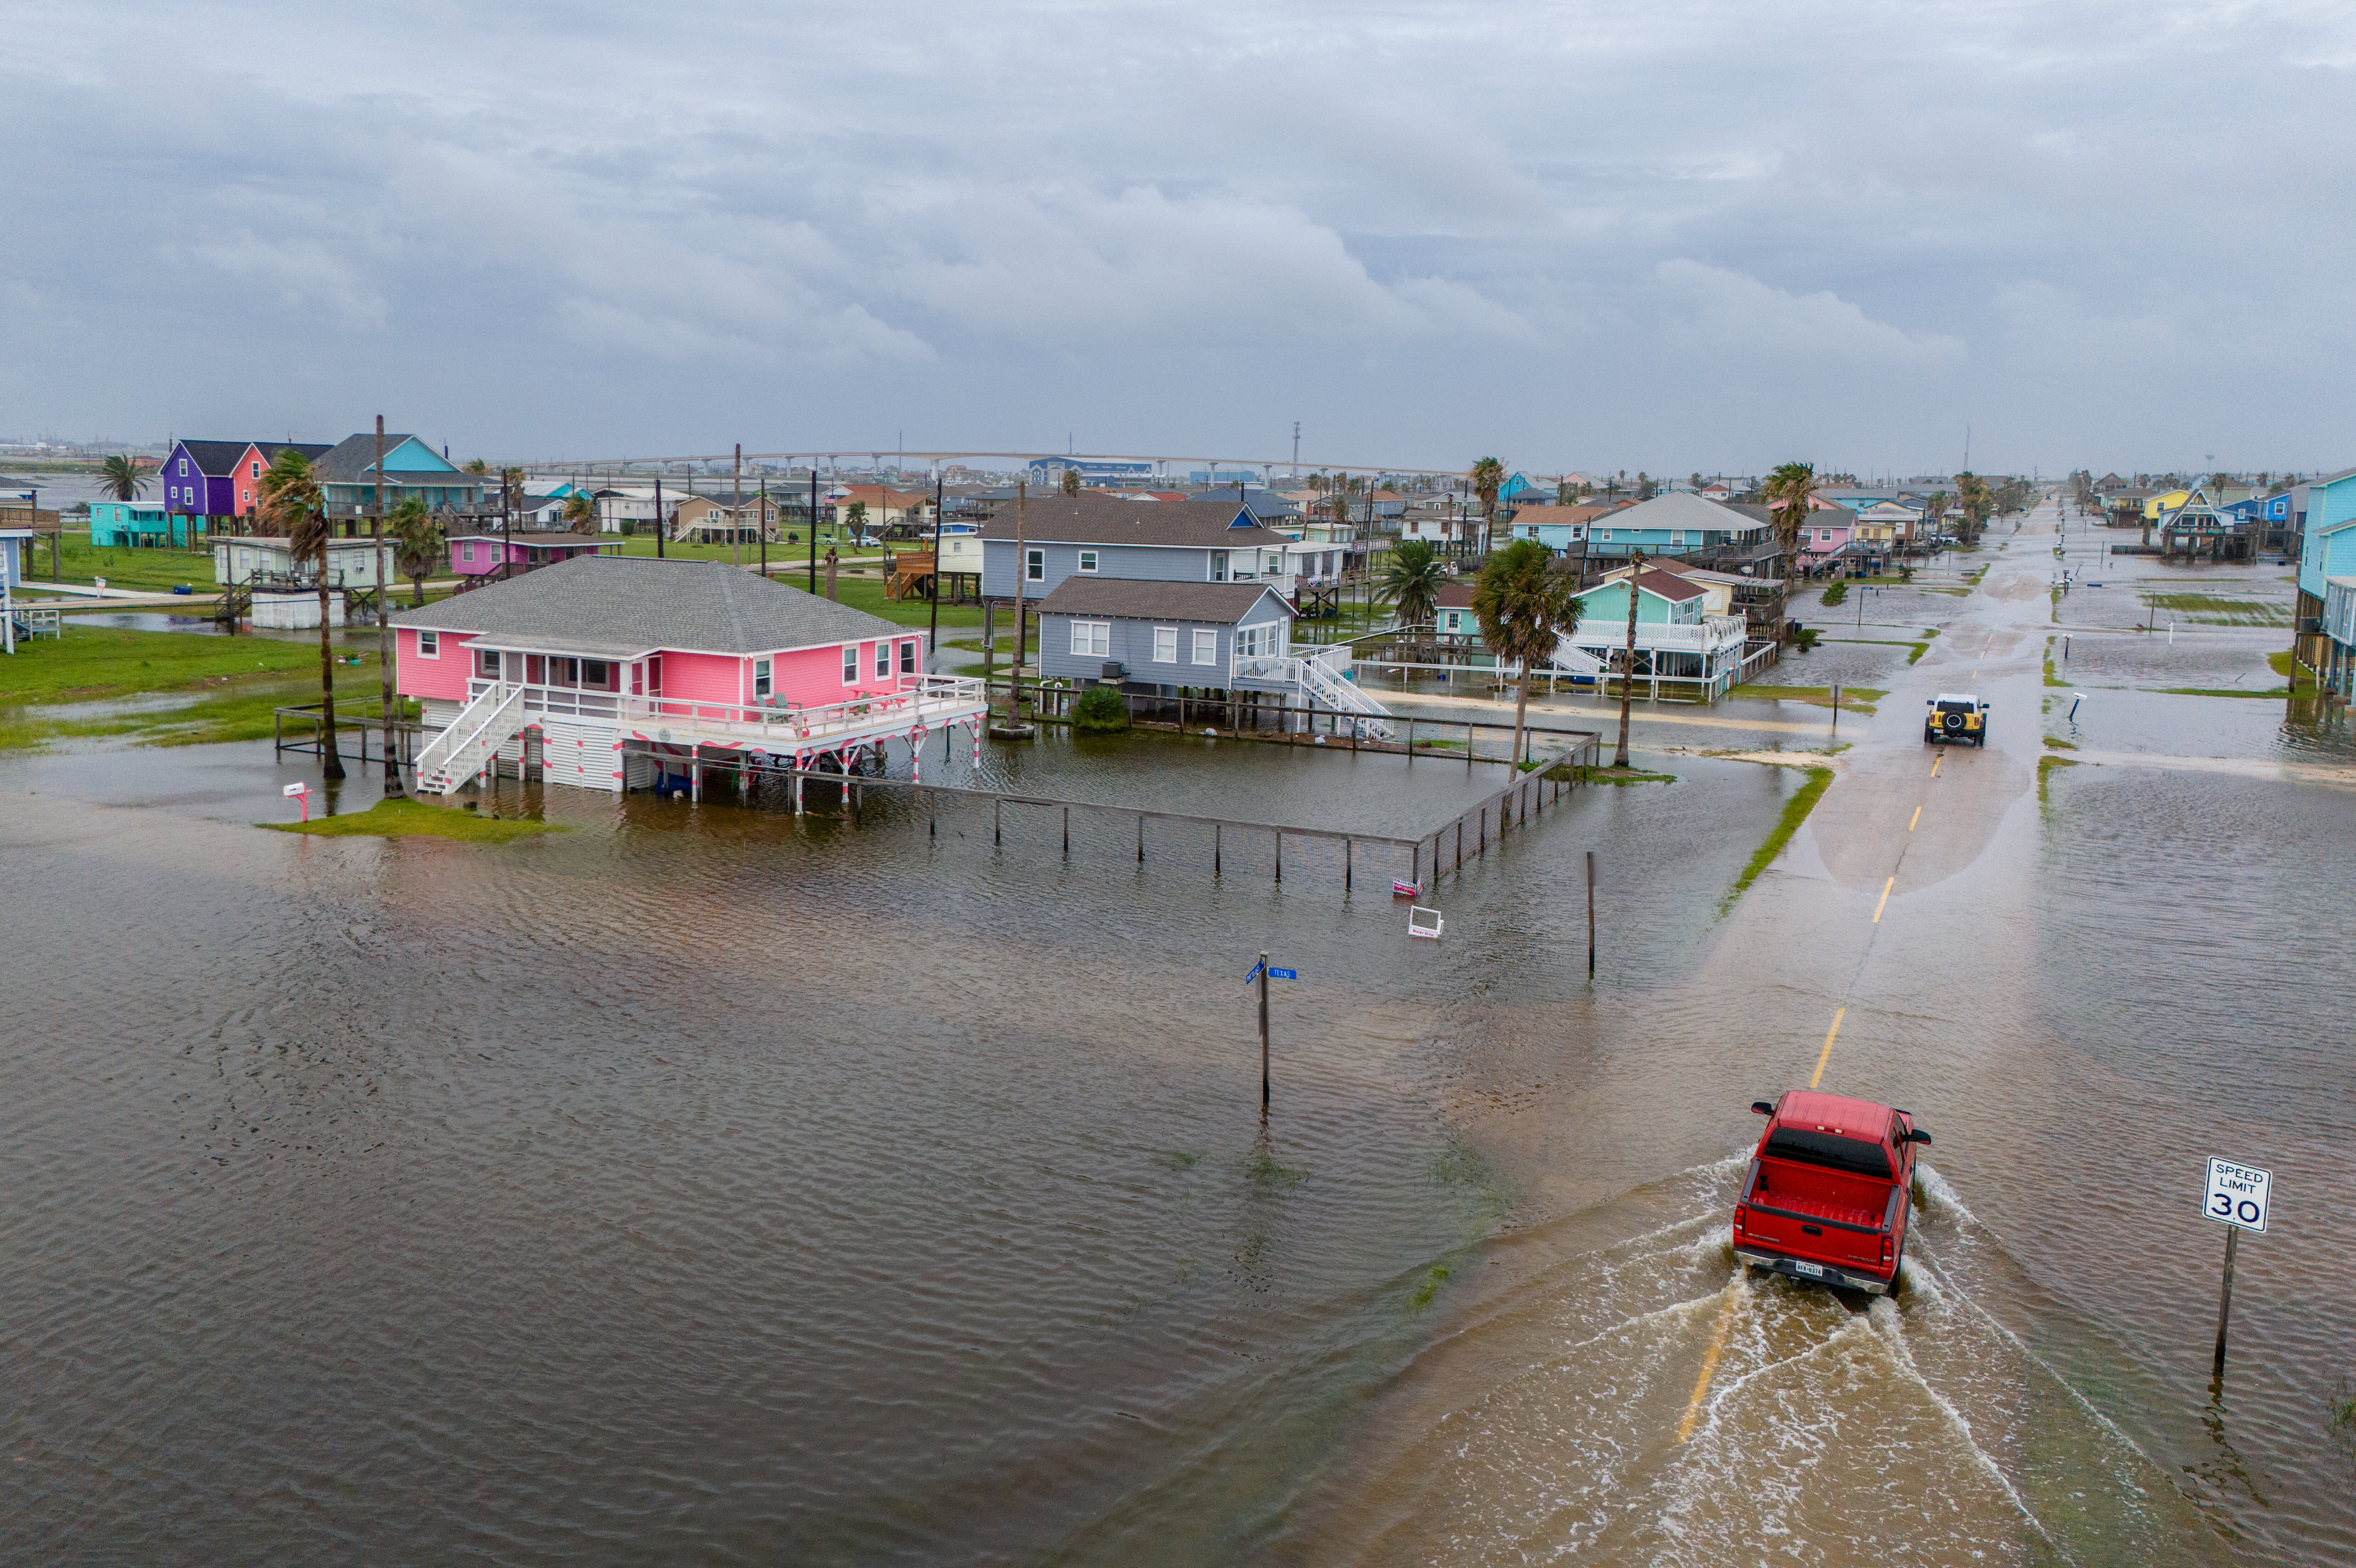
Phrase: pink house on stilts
{"type": "Point", "coordinates": [618, 672]}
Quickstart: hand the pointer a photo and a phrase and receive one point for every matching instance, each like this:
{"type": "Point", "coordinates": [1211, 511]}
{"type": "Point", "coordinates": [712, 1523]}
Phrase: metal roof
{"type": "Point", "coordinates": [638, 602]}
{"type": "Point", "coordinates": [1122, 599]}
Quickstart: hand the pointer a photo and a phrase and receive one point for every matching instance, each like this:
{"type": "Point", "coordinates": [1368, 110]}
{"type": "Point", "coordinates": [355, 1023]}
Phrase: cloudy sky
{"type": "Point", "coordinates": [1671, 235]}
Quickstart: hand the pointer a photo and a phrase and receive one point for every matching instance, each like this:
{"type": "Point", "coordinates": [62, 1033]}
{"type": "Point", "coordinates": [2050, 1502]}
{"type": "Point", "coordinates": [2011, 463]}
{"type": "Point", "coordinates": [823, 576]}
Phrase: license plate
{"type": "Point", "coordinates": [1815, 1270]}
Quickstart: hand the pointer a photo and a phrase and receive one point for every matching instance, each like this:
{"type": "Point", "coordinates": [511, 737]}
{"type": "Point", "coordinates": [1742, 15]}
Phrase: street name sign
{"type": "Point", "coordinates": [2237, 1193]}
{"type": "Point", "coordinates": [1276, 974]}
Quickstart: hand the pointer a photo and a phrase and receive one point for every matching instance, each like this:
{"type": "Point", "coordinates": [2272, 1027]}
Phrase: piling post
{"type": "Point", "coordinates": [1348, 864]}
{"type": "Point", "coordinates": [1141, 838]}
{"type": "Point", "coordinates": [1481, 844]}
{"type": "Point", "coordinates": [277, 728]}
{"type": "Point", "coordinates": [1415, 863]}
{"type": "Point", "coordinates": [1067, 833]}
{"type": "Point", "coordinates": [932, 816]}
{"type": "Point", "coordinates": [1410, 740]}
{"type": "Point", "coordinates": [1263, 1037]}
{"type": "Point", "coordinates": [1468, 749]}
{"type": "Point", "coordinates": [997, 821]}
{"type": "Point", "coordinates": [1214, 851]}
{"type": "Point", "coordinates": [1280, 857]}
{"type": "Point", "coordinates": [2224, 1293]}
{"type": "Point", "coordinates": [1590, 916]}
{"type": "Point", "coordinates": [1459, 846]}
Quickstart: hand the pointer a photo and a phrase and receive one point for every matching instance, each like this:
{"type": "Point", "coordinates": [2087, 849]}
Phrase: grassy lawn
{"type": "Point", "coordinates": [231, 685]}
{"type": "Point", "coordinates": [1854, 699]}
{"type": "Point", "coordinates": [415, 819]}
{"type": "Point", "coordinates": [144, 571]}
{"type": "Point", "coordinates": [2215, 609]}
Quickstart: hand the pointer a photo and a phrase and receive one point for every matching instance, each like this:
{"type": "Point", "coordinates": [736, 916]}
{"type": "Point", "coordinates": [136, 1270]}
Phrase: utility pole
{"type": "Point", "coordinates": [384, 631]}
{"type": "Point", "coordinates": [1296, 449]}
{"type": "Point", "coordinates": [940, 491]}
{"type": "Point", "coordinates": [763, 524]}
{"type": "Point", "coordinates": [736, 511]}
{"type": "Point", "coordinates": [658, 515]}
{"type": "Point", "coordinates": [813, 529]}
{"type": "Point", "coordinates": [1021, 634]}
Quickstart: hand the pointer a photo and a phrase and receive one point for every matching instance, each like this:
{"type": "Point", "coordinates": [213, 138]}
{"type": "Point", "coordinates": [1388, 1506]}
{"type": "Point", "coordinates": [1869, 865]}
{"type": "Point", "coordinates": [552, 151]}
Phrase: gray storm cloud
{"type": "Point", "coordinates": [1673, 237]}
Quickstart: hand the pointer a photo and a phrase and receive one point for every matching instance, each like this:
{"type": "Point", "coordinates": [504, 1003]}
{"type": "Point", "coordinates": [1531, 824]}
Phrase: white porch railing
{"type": "Point", "coordinates": [1318, 678]}
{"type": "Point", "coordinates": [899, 704]}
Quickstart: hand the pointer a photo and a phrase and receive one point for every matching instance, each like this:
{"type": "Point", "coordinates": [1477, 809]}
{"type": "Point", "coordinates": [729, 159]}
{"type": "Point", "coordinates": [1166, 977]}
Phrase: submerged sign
{"type": "Point", "coordinates": [2237, 1193]}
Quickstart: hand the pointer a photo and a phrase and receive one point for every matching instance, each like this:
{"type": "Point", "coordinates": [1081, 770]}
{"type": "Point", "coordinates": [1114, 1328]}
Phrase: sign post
{"type": "Point", "coordinates": [2237, 1196]}
{"type": "Point", "coordinates": [1263, 973]}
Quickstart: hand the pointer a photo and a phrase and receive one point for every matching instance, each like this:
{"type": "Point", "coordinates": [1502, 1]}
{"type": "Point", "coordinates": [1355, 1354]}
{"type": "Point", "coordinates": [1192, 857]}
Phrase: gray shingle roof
{"type": "Point", "coordinates": [1086, 519]}
{"type": "Point", "coordinates": [630, 604]}
{"type": "Point", "coordinates": [1121, 598]}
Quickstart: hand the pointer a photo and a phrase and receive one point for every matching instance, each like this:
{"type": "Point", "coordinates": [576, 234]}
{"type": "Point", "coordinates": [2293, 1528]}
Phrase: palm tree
{"type": "Point", "coordinates": [1972, 497]}
{"type": "Point", "coordinates": [121, 477]}
{"type": "Point", "coordinates": [1488, 477]}
{"type": "Point", "coordinates": [1628, 668]}
{"type": "Point", "coordinates": [291, 498]}
{"type": "Point", "coordinates": [416, 543]}
{"type": "Point", "coordinates": [580, 508]}
{"type": "Point", "coordinates": [1790, 487]}
{"type": "Point", "coordinates": [1071, 481]}
{"type": "Point", "coordinates": [1524, 606]}
{"type": "Point", "coordinates": [1410, 581]}
{"type": "Point", "coordinates": [478, 467]}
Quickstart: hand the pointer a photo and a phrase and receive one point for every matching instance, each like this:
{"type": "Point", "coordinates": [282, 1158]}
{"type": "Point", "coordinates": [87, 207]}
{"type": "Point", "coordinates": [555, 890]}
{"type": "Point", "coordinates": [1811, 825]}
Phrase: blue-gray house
{"type": "Point", "coordinates": [1163, 637]}
{"type": "Point", "coordinates": [1145, 541]}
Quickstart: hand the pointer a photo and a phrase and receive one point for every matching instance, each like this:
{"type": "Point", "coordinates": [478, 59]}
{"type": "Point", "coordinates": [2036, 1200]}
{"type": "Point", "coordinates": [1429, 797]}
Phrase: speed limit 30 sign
{"type": "Point", "coordinates": [2237, 1193]}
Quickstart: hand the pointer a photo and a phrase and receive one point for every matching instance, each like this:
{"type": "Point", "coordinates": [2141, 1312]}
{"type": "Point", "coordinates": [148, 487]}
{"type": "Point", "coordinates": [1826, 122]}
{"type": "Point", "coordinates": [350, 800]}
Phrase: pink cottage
{"type": "Point", "coordinates": [615, 672]}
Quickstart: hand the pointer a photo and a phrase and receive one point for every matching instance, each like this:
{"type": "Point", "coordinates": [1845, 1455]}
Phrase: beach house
{"type": "Point", "coordinates": [613, 672]}
{"type": "Point", "coordinates": [1094, 535]}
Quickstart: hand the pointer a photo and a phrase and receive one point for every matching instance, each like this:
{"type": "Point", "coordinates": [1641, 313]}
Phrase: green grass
{"type": "Point", "coordinates": [2055, 744]}
{"type": "Point", "coordinates": [1623, 776]}
{"type": "Point", "coordinates": [415, 819]}
{"type": "Point", "coordinates": [145, 571]}
{"type": "Point", "coordinates": [232, 685]}
{"type": "Point", "coordinates": [2045, 766]}
{"type": "Point", "coordinates": [1796, 812]}
{"type": "Point", "coordinates": [1835, 593]}
{"type": "Point", "coordinates": [1854, 699]}
{"type": "Point", "coordinates": [2278, 692]}
{"type": "Point", "coordinates": [1432, 1281]}
{"type": "Point", "coordinates": [2215, 609]}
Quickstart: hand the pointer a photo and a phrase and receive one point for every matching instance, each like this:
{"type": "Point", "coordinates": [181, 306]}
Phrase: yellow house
{"type": "Point", "coordinates": [2153, 507]}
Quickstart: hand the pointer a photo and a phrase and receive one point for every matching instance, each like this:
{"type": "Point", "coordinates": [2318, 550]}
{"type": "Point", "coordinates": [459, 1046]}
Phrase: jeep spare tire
{"type": "Point", "coordinates": [1953, 721]}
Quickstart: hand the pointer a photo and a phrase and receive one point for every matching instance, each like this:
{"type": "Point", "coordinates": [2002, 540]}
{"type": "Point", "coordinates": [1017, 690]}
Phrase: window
{"type": "Point", "coordinates": [1166, 645]}
{"type": "Point", "coordinates": [882, 660]}
{"type": "Point", "coordinates": [1087, 560]}
{"type": "Point", "coordinates": [466, 551]}
{"type": "Point", "coordinates": [183, 467]}
{"type": "Point", "coordinates": [486, 665]}
{"type": "Point", "coordinates": [1676, 539]}
{"type": "Point", "coordinates": [907, 659]}
{"type": "Point", "coordinates": [257, 469]}
{"type": "Point", "coordinates": [760, 678]}
{"type": "Point", "coordinates": [1218, 566]}
{"type": "Point", "coordinates": [1602, 533]}
{"type": "Point", "coordinates": [1206, 647]}
{"type": "Point", "coordinates": [851, 664]}
{"type": "Point", "coordinates": [1092, 638]}
{"type": "Point", "coordinates": [1034, 565]}
{"type": "Point", "coordinates": [1804, 1146]}
{"type": "Point", "coordinates": [564, 673]}
{"type": "Point", "coordinates": [1257, 641]}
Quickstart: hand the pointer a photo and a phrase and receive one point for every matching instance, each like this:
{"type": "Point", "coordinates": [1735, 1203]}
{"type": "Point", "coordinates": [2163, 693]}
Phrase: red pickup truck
{"type": "Point", "coordinates": [1825, 1197]}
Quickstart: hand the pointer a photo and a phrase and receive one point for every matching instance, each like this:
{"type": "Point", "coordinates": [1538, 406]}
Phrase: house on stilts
{"type": "Point", "coordinates": [625, 672]}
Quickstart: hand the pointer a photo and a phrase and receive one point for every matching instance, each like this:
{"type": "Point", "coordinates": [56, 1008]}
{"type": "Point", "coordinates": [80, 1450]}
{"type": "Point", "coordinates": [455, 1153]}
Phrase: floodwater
{"type": "Point", "coordinates": [704, 1185]}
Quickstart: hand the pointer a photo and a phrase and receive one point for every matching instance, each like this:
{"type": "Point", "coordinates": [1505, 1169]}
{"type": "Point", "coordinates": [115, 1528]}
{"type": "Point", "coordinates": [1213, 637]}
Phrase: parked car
{"type": "Point", "coordinates": [1954, 717]}
{"type": "Point", "coordinates": [1826, 1195]}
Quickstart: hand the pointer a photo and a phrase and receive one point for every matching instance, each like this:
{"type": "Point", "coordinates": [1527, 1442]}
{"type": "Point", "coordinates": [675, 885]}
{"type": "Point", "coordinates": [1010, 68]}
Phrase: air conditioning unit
{"type": "Point", "coordinates": [1114, 670]}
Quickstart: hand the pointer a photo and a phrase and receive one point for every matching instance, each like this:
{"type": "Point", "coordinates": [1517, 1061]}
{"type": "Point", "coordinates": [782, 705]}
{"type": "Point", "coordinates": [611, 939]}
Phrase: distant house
{"type": "Point", "coordinates": [1678, 523]}
{"type": "Point", "coordinates": [208, 483]}
{"type": "Point", "coordinates": [347, 480]}
{"type": "Point", "coordinates": [884, 507]}
{"type": "Point", "coordinates": [247, 559]}
{"type": "Point", "coordinates": [614, 671]}
{"type": "Point", "coordinates": [132, 523]}
{"type": "Point", "coordinates": [1562, 528]}
{"type": "Point", "coordinates": [479, 555]}
{"type": "Point", "coordinates": [1090, 535]}
{"type": "Point", "coordinates": [1160, 637]}
{"type": "Point", "coordinates": [708, 520]}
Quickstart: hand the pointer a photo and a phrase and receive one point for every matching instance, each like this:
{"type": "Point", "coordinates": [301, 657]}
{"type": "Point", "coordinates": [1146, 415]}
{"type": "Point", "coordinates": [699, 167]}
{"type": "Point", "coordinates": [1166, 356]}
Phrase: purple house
{"type": "Point", "coordinates": [220, 479]}
{"type": "Point", "coordinates": [476, 557]}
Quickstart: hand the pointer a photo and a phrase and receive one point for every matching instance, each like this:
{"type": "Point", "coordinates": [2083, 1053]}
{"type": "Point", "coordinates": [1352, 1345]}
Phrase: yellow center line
{"type": "Point", "coordinates": [1827, 1055]}
{"type": "Point", "coordinates": [1708, 1365]}
{"type": "Point", "coordinates": [1918, 817]}
{"type": "Point", "coordinates": [1885, 899]}
{"type": "Point", "coordinates": [1934, 764]}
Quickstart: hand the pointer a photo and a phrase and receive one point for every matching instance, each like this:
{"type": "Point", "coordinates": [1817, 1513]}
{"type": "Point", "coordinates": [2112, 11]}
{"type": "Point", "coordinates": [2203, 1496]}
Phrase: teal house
{"type": "Point", "coordinates": [2325, 638]}
{"type": "Point", "coordinates": [346, 476]}
{"type": "Point", "coordinates": [1686, 641]}
{"type": "Point", "coordinates": [129, 523]}
{"type": "Point", "coordinates": [1677, 522]}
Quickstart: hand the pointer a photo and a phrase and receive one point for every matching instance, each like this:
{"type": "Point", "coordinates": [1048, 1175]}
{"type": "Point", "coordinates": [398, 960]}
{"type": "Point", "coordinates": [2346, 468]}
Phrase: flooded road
{"type": "Point", "coordinates": [701, 1185]}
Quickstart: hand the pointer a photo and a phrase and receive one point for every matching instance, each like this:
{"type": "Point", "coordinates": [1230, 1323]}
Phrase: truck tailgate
{"type": "Point", "coordinates": [1805, 1212]}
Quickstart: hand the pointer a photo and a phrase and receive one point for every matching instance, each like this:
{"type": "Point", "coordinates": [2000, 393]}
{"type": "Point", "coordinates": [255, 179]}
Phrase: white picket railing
{"type": "Point", "coordinates": [1315, 678]}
